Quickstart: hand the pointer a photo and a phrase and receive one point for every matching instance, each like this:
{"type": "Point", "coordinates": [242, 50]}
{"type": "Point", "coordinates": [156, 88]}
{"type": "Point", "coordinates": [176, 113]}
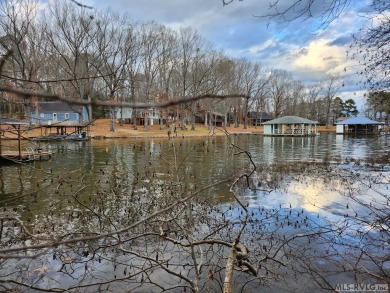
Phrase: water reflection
{"type": "Point", "coordinates": [114, 175]}
{"type": "Point", "coordinates": [199, 160]}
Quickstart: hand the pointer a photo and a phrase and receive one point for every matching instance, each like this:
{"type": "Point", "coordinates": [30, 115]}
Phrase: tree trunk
{"type": "Point", "coordinates": [146, 124]}
{"type": "Point", "coordinates": [236, 124]}
{"type": "Point", "coordinates": [112, 119]}
{"type": "Point", "coordinates": [135, 119]}
{"type": "Point", "coordinates": [245, 122]}
{"type": "Point", "coordinates": [121, 120]}
{"type": "Point", "coordinates": [161, 119]}
{"type": "Point", "coordinates": [90, 118]}
{"type": "Point", "coordinates": [193, 121]}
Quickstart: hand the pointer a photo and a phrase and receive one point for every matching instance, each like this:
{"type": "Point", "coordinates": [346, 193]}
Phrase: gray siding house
{"type": "Point", "coordinates": [61, 120]}
{"type": "Point", "coordinates": [152, 115]}
{"type": "Point", "coordinates": [59, 113]}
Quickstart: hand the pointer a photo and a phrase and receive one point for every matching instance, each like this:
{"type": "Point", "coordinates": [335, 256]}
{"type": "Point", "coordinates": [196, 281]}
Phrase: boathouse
{"type": "Point", "coordinates": [61, 120]}
{"type": "Point", "coordinates": [358, 125]}
{"type": "Point", "coordinates": [290, 126]}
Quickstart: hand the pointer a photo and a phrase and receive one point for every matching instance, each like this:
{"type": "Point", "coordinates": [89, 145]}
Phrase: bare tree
{"type": "Point", "coordinates": [371, 46]}
{"type": "Point", "coordinates": [70, 36]}
{"type": "Point", "coordinates": [191, 46]}
{"type": "Point", "coordinates": [111, 55]}
{"type": "Point", "coordinates": [279, 87]}
{"type": "Point", "coordinates": [167, 61]}
{"type": "Point", "coordinates": [144, 225]}
{"type": "Point", "coordinates": [330, 89]}
{"type": "Point", "coordinates": [24, 36]}
{"type": "Point", "coordinates": [312, 96]}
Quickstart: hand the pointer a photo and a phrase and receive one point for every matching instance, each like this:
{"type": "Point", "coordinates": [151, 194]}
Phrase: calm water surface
{"type": "Point", "coordinates": [198, 160]}
{"type": "Point", "coordinates": [96, 165]}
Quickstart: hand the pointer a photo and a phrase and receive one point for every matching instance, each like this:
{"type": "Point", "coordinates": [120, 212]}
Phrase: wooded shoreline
{"type": "Point", "coordinates": [100, 129]}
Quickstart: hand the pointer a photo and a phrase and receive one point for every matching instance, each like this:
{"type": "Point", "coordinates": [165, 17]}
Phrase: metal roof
{"type": "Point", "coordinates": [290, 120]}
{"type": "Point", "coordinates": [358, 120]}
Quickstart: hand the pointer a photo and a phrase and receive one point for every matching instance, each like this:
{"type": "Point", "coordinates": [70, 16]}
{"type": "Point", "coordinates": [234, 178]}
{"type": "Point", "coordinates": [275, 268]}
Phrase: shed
{"type": "Point", "coordinates": [290, 126]}
{"type": "Point", "coordinates": [358, 125]}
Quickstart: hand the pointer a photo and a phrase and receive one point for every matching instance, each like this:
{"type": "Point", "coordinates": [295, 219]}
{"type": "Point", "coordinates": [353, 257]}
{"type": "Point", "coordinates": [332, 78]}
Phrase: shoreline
{"type": "Point", "coordinates": [100, 130]}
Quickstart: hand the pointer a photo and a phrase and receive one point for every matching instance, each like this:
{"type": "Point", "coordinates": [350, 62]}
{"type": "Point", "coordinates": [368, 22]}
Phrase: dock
{"type": "Point", "coordinates": [19, 155]}
{"type": "Point", "coordinates": [25, 156]}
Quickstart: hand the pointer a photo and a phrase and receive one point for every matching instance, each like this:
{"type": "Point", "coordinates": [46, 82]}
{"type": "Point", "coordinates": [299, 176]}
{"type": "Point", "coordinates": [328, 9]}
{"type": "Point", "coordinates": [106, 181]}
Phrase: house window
{"type": "Point", "coordinates": [54, 116]}
{"type": "Point", "coordinates": [66, 116]}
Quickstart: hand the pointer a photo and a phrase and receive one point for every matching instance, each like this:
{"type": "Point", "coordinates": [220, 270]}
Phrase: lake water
{"type": "Point", "coordinates": [86, 169]}
{"type": "Point", "coordinates": [205, 159]}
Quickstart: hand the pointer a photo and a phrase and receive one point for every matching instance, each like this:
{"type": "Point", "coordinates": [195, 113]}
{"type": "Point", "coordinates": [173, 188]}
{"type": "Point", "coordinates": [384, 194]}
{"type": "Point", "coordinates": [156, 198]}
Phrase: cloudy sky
{"type": "Point", "coordinates": [310, 54]}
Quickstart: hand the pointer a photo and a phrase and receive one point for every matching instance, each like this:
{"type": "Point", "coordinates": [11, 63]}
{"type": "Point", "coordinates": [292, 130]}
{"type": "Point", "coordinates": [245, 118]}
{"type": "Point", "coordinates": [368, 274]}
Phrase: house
{"type": "Point", "coordinates": [213, 118]}
{"type": "Point", "coordinates": [65, 119]}
{"type": "Point", "coordinates": [290, 126]}
{"type": "Point", "coordinates": [257, 118]}
{"type": "Point", "coordinates": [126, 115]}
{"type": "Point", "coordinates": [358, 125]}
{"type": "Point", "coordinates": [50, 113]}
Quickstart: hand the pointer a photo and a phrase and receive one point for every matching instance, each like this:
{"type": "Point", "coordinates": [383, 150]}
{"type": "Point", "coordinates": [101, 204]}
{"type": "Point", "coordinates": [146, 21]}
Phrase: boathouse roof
{"type": "Point", "coordinates": [290, 120]}
{"type": "Point", "coordinates": [358, 120]}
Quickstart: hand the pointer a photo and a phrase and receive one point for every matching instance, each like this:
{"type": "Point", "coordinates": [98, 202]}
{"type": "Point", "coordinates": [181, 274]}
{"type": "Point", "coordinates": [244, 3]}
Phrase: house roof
{"type": "Point", "coordinates": [358, 120]}
{"type": "Point", "coordinates": [56, 107]}
{"type": "Point", "coordinates": [290, 120]}
{"type": "Point", "coordinates": [258, 115]}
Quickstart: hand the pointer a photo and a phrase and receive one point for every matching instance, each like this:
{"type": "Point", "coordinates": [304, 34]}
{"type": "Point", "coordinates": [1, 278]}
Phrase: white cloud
{"type": "Point", "coordinates": [262, 46]}
{"type": "Point", "coordinates": [297, 47]}
{"type": "Point", "coordinates": [319, 57]}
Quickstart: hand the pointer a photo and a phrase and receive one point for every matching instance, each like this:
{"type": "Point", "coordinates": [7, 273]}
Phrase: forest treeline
{"type": "Point", "coordinates": [76, 52]}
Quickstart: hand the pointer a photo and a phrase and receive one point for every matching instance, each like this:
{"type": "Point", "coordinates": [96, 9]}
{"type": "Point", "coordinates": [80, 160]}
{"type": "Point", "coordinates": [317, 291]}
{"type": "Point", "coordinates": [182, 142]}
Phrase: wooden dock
{"type": "Point", "coordinates": [25, 156]}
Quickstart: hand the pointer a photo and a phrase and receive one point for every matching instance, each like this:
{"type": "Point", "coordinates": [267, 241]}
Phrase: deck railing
{"type": "Point", "coordinates": [293, 132]}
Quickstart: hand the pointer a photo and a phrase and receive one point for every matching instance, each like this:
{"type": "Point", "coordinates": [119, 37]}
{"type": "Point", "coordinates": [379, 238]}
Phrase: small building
{"type": "Point", "coordinates": [258, 118]}
{"type": "Point", "coordinates": [358, 125]}
{"type": "Point", "coordinates": [152, 115]}
{"type": "Point", "coordinates": [68, 121]}
{"type": "Point", "coordinates": [49, 113]}
{"type": "Point", "coordinates": [290, 126]}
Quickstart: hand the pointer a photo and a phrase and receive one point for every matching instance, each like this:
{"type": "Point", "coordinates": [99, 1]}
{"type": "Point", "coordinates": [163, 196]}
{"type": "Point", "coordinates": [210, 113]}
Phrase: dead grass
{"type": "Point", "coordinates": [101, 129]}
